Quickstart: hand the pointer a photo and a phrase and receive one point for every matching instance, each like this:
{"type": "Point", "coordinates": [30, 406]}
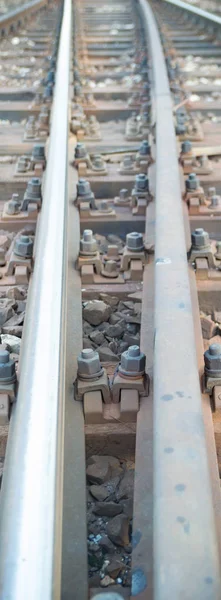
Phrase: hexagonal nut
{"type": "Point", "coordinates": [186, 146]}
{"type": "Point", "coordinates": [38, 152]}
{"type": "Point", "coordinates": [144, 149]}
{"type": "Point", "coordinates": [33, 188]}
{"type": "Point", "coordinates": [200, 238]}
{"type": "Point", "coordinates": [215, 200]}
{"type": "Point", "coordinates": [80, 150]}
{"type": "Point", "coordinates": [89, 365]}
{"type": "Point", "coordinates": [12, 207]}
{"type": "Point", "coordinates": [212, 361]}
{"type": "Point", "coordinates": [141, 183]}
{"type": "Point", "coordinates": [134, 241]}
{"type": "Point", "coordinates": [88, 244]}
{"type": "Point", "coordinates": [133, 361]}
{"type": "Point", "coordinates": [83, 187]}
{"type": "Point", "coordinates": [192, 182]}
{"type": "Point", "coordinates": [24, 246]}
{"type": "Point", "coordinates": [7, 367]}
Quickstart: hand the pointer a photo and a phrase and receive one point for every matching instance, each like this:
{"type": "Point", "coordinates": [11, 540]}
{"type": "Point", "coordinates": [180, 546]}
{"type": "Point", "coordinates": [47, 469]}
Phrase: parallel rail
{"type": "Point", "coordinates": [31, 497]}
{"type": "Point", "coordinates": [178, 418]}
{"type": "Point", "coordinates": [195, 11]}
{"type": "Point", "coordinates": [15, 17]}
{"type": "Point", "coordinates": [184, 531]}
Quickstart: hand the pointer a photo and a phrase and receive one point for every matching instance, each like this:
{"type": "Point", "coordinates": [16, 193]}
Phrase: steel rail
{"type": "Point", "coordinates": [26, 8]}
{"type": "Point", "coordinates": [31, 496]}
{"type": "Point", "coordinates": [186, 556]}
{"type": "Point", "coordinates": [196, 11]}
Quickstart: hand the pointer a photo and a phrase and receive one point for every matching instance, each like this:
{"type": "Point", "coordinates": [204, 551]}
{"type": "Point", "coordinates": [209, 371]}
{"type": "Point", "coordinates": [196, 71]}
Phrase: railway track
{"type": "Point", "coordinates": [110, 202]}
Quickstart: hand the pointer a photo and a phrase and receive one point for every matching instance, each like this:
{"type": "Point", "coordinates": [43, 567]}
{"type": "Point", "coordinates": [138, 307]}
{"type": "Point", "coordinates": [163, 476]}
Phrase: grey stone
{"type": "Point", "coordinates": [6, 310]}
{"type": "Point", "coordinates": [107, 509]}
{"type": "Point", "coordinates": [15, 320]}
{"type": "Point", "coordinates": [13, 341]}
{"type": "Point", "coordinates": [126, 486]}
{"type": "Point", "coordinates": [126, 304]}
{"type": "Point", "coordinates": [97, 337]}
{"type": "Point", "coordinates": [99, 492]}
{"type": "Point", "coordinates": [96, 311]}
{"type": "Point", "coordinates": [115, 567]}
{"type": "Point", "coordinates": [118, 530]}
{"type": "Point", "coordinates": [128, 507]}
{"type": "Point", "coordinates": [133, 318]}
{"type": "Point", "coordinates": [98, 473]}
{"type": "Point", "coordinates": [87, 328]}
{"type": "Point", "coordinates": [114, 347]}
{"type": "Point", "coordinates": [112, 461]}
{"type": "Point", "coordinates": [217, 316]}
{"type": "Point", "coordinates": [111, 300]}
{"type": "Point", "coordinates": [106, 544]}
{"type": "Point", "coordinates": [132, 340]}
{"type": "Point", "coordinates": [122, 346]}
{"type": "Point", "coordinates": [106, 581]}
{"type": "Point", "coordinates": [10, 330]}
{"type": "Point", "coordinates": [88, 344]}
{"type": "Point", "coordinates": [115, 331]}
{"type": "Point", "coordinates": [17, 293]}
{"type": "Point", "coordinates": [21, 306]}
{"type": "Point", "coordinates": [115, 318]}
{"type": "Point", "coordinates": [106, 490]}
{"type": "Point", "coordinates": [103, 327]}
{"type": "Point", "coordinates": [131, 328]}
{"type": "Point", "coordinates": [106, 354]}
{"type": "Point", "coordinates": [209, 328]}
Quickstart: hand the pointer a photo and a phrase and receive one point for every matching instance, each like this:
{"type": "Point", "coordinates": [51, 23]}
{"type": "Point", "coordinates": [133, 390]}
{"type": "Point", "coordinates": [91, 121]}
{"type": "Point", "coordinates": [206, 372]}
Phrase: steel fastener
{"type": "Point", "coordinates": [88, 244]}
{"type": "Point", "coordinates": [186, 147]}
{"type": "Point", "coordinates": [23, 246]}
{"type": "Point", "coordinates": [89, 366]}
{"type": "Point", "coordinates": [141, 183]}
{"type": "Point", "coordinates": [200, 239]}
{"type": "Point", "coordinates": [212, 360]}
{"type": "Point", "coordinates": [134, 242]}
{"type": "Point", "coordinates": [7, 368]}
{"type": "Point", "coordinates": [192, 182]}
{"type": "Point", "coordinates": [132, 362]}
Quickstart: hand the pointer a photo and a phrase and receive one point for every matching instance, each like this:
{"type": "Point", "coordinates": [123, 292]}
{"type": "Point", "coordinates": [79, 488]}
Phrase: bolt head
{"type": "Point", "coordinates": [215, 201]}
{"type": "Point", "coordinates": [80, 150]}
{"type": "Point", "coordinates": [186, 146]}
{"type": "Point", "coordinates": [23, 246]}
{"type": "Point", "coordinates": [141, 183]}
{"type": "Point", "coordinates": [88, 244]}
{"type": "Point", "coordinates": [200, 238]}
{"type": "Point", "coordinates": [7, 367]}
{"type": "Point", "coordinates": [133, 360]}
{"type": "Point", "coordinates": [89, 363]}
{"type": "Point", "coordinates": [211, 192]}
{"type": "Point", "coordinates": [144, 149]}
{"type": "Point", "coordinates": [212, 360]}
{"type": "Point", "coordinates": [192, 182]}
{"type": "Point", "coordinates": [38, 152]}
{"type": "Point", "coordinates": [123, 194]}
{"type": "Point", "coordinates": [33, 189]}
{"type": "Point", "coordinates": [83, 187]}
{"type": "Point", "coordinates": [12, 207]}
{"type": "Point", "coordinates": [134, 241]}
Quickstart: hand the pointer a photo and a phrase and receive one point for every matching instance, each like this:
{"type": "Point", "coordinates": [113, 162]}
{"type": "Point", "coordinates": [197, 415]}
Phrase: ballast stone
{"type": "Point", "coordinates": [96, 312]}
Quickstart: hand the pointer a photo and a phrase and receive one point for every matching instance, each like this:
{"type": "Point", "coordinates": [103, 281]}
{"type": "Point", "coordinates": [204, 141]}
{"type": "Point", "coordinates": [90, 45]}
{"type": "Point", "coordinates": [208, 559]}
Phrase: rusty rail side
{"type": "Point", "coordinates": [195, 11]}
{"type": "Point", "coordinates": [186, 556]}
